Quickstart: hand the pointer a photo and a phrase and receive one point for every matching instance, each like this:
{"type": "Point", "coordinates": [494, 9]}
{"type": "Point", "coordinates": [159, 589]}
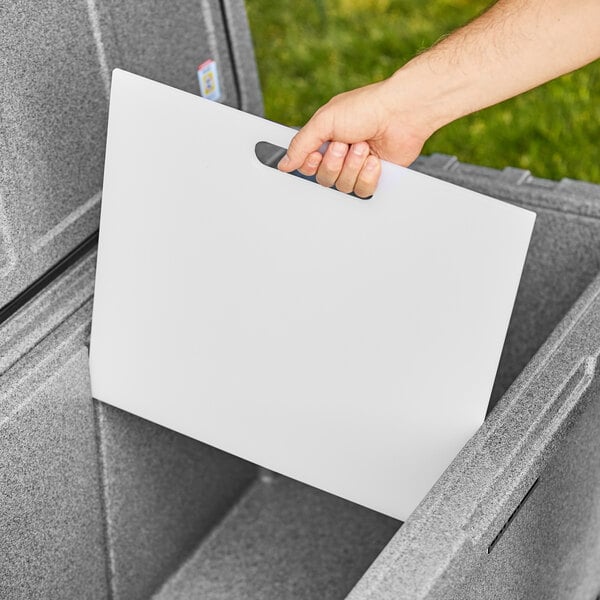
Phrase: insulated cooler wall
{"type": "Point", "coordinates": [517, 515]}
{"type": "Point", "coordinates": [92, 503]}
{"type": "Point", "coordinates": [95, 503]}
{"type": "Point", "coordinates": [57, 58]}
{"type": "Point", "coordinates": [53, 112]}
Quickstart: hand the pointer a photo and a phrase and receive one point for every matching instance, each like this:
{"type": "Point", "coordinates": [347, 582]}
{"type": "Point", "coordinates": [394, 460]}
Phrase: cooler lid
{"type": "Point", "coordinates": [57, 59]}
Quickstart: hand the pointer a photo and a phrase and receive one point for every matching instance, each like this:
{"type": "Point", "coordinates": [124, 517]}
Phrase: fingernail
{"type": "Point", "coordinates": [338, 149]}
{"type": "Point", "coordinates": [358, 150]}
{"type": "Point", "coordinates": [313, 162]}
{"type": "Point", "coordinates": [284, 162]}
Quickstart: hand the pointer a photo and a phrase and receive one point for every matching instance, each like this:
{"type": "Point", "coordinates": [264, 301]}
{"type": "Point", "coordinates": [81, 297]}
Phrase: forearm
{"type": "Point", "coordinates": [515, 46]}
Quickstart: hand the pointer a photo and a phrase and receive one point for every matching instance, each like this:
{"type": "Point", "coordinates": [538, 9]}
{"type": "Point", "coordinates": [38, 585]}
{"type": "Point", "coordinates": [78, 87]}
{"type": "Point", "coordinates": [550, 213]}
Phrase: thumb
{"type": "Point", "coordinates": [310, 138]}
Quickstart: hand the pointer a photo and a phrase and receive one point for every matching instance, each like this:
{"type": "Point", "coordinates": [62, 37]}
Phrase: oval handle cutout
{"type": "Point", "coordinates": [270, 155]}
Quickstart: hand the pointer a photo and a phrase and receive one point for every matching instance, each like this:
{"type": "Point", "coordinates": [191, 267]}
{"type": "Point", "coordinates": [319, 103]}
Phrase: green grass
{"type": "Point", "coordinates": [308, 51]}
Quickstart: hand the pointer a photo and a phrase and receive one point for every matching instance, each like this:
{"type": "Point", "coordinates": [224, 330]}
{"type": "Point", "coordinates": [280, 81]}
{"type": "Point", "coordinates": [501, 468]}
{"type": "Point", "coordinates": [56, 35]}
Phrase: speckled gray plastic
{"type": "Point", "coordinates": [98, 504]}
{"type": "Point", "coordinates": [56, 58]}
{"type": "Point", "coordinates": [175, 514]}
{"type": "Point", "coordinates": [563, 258]}
{"type": "Point", "coordinates": [544, 427]}
{"type": "Point", "coordinates": [159, 492]}
{"type": "Point", "coordinates": [552, 548]}
{"type": "Point", "coordinates": [283, 540]}
{"type": "Point", "coordinates": [53, 111]}
{"type": "Point", "coordinates": [166, 41]}
{"type": "Point", "coordinates": [51, 528]}
{"type": "Point", "coordinates": [27, 329]}
{"type": "Point", "coordinates": [242, 54]}
{"type": "Point", "coordinates": [163, 492]}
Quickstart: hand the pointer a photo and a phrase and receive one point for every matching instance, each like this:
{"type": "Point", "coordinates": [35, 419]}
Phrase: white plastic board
{"type": "Point", "coordinates": [349, 344]}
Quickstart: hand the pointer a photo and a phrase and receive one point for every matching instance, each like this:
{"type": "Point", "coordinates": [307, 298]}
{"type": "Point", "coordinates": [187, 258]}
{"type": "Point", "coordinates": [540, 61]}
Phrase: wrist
{"type": "Point", "coordinates": [429, 94]}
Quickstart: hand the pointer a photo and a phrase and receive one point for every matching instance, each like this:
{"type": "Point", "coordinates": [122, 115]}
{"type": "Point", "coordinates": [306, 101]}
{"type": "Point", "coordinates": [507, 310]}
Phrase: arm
{"type": "Point", "coordinates": [514, 46]}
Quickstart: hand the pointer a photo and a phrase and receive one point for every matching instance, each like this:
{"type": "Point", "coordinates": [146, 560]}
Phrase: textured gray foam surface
{"type": "Point", "coordinates": [242, 51]}
{"type": "Point", "coordinates": [29, 326]}
{"type": "Point", "coordinates": [552, 548]}
{"type": "Point", "coordinates": [166, 41]}
{"type": "Point", "coordinates": [163, 492]}
{"type": "Point", "coordinates": [283, 540]}
{"type": "Point", "coordinates": [45, 332]}
{"type": "Point", "coordinates": [542, 428]}
{"type": "Point", "coordinates": [56, 62]}
{"type": "Point", "coordinates": [53, 110]}
{"type": "Point", "coordinates": [51, 541]}
{"type": "Point", "coordinates": [563, 258]}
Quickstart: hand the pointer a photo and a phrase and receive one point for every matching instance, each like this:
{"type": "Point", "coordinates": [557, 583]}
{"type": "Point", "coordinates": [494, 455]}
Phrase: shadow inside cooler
{"type": "Point", "coordinates": [253, 534]}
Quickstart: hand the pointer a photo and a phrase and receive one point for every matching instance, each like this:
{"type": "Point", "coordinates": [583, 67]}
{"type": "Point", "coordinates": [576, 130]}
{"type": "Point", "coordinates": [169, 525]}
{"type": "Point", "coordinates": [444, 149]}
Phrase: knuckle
{"type": "Point", "coordinates": [331, 167]}
{"type": "Point", "coordinates": [309, 167]}
{"type": "Point", "coordinates": [361, 148]}
{"type": "Point", "coordinates": [354, 163]}
{"type": "Point", "coordinates": [335, 99]}
{"type": "Point", "coordinates": [336, 153]}
{"type": "Point", "coordinates": [320, 115]}
{"type": "Point", "coordinates": [357, 156]}
{"type": "Point", "coordinates": [322, 119]}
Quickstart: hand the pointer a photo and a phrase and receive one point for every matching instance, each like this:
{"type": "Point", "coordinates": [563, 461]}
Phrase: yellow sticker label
{"type": "Point", "coordinates": [208, 78]}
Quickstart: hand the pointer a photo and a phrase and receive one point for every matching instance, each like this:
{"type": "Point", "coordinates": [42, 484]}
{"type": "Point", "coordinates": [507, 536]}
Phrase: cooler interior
{"type": "Point", "coordinates": [277, 538]}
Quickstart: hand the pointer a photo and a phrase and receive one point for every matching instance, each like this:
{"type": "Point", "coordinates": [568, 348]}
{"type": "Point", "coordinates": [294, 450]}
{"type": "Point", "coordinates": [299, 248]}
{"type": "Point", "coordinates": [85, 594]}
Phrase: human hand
{"type": "Point", "coordinates": [512, 47]}
{"type": "Point", "coordinates": [379, 121]}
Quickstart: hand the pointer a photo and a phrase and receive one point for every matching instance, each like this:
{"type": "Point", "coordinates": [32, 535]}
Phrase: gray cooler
{"type": "Point", "coordinates": [96, 503]}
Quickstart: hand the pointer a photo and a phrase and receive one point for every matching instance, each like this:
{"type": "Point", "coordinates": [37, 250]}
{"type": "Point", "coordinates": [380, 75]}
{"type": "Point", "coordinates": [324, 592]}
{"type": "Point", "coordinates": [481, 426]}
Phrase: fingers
{"type": "Point", "coordinates": [349, 168]}
{"type": "Point", "coordinates": [332, 163]}
{"type": "Point", "coordinates": [368, 177]}
{"type": "Point", "coordinates": [355, 160]}
{"type": "Point", "coordinates": [311, 164]}
{"type": "Point", "coordinates": [307, 141]}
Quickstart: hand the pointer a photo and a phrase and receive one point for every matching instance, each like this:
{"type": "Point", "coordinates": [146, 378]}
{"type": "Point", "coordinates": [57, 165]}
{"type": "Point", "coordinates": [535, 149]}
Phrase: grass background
{"type": "Point", "coordinates": [309, 50]}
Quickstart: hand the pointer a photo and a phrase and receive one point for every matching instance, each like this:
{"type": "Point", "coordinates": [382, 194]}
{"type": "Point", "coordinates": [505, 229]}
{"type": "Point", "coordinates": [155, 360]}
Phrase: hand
{"type": "Point", "coordinates": [512, 47]}
{"type": "Point", "coordinates": [363, 126]}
